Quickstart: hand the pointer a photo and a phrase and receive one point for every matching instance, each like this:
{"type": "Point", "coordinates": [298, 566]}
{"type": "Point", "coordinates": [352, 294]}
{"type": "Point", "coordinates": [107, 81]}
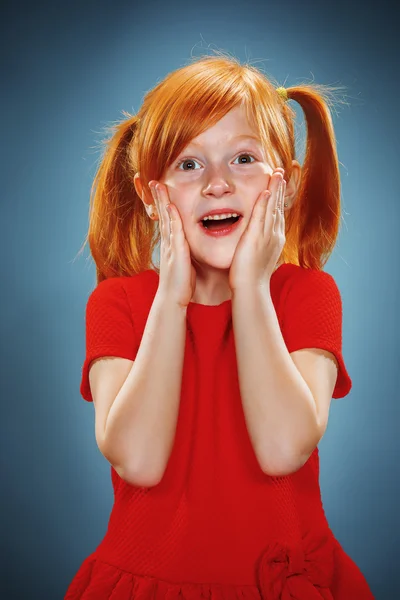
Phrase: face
{"type": "Point", "coordinates": [221, 168]}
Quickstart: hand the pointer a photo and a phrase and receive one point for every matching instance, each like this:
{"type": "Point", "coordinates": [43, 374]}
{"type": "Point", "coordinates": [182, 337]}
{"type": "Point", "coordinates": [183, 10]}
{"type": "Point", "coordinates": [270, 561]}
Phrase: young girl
{"type": "Point", "coordinates": [212, 376]}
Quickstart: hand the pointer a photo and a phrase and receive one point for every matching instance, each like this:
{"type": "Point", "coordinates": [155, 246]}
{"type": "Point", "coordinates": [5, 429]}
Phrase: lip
{"type": "Point", "coordinates": [222, 232]}
{"type": "Point", "coordinates": [220, 211]}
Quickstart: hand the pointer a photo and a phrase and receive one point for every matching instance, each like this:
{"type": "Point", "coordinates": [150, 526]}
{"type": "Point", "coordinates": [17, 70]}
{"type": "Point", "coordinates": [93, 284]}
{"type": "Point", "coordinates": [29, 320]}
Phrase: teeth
{"type": "Point", "coordinates": [218, 217]}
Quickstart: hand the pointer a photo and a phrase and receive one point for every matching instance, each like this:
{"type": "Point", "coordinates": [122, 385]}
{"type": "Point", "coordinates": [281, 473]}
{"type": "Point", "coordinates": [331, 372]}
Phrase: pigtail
{"type": "Point", "coordinates": [120, 234]}
{"type": "Point", "coordinates": [122, 237]}
{"type": "Point", "coordinates": [315, 215]}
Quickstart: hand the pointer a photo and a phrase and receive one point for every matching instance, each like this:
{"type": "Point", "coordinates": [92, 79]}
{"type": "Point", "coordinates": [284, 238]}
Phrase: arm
{"type": "Point", "coordinates": [140, 427]}
{"type": "Point", "coordinates": [279, 408]}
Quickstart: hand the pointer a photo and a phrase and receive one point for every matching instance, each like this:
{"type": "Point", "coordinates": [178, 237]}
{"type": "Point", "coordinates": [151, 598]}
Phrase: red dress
{"type": "Point", "coordinates": [216, 526]}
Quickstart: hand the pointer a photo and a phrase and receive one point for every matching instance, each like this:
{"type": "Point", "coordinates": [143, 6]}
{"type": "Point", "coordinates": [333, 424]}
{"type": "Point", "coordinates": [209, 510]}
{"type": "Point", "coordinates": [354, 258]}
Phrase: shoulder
{"type": "Point", "coordinates": [291, 273]}
{"type": "Point", "coordinates": [123, 288]}
{"type": "Point", "coordinates": [108, 294]}
{"type": "Point", "coordinates": [297, 281]}
{"type": "Point", "coordinates": [302, 294]}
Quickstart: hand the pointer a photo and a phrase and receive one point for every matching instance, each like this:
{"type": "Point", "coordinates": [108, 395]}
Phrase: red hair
{"type": "Point", "coordinates": [188, 101]}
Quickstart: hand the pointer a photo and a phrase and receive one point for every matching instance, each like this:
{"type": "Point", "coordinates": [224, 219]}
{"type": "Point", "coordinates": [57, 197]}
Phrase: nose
{"type": "Point", "coordinates": [218, 186]}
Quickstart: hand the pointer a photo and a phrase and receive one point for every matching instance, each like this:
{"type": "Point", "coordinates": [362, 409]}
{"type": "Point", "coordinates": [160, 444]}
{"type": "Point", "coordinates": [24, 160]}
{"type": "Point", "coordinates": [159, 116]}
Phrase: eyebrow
{"type": "Point", "coordinates": [237, 137]}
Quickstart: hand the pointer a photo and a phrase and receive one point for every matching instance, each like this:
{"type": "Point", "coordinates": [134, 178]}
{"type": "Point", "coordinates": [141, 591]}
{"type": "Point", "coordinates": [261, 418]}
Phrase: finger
{"type": "Point", "coordinates": [277, 209]}
{"type": "Point", "coordinates": [175, 221]}
{"type": "Point", "coordinates": [155, 198]}
{"type": "Point", "coordinates": [171, 213]}
{"type": "Point", "coordinates": [161, 194]}
{"type": "Point", "coordinates": [257, 218]}
{"type": "Point", "coordinates": [282, 215]}
{"type": "Point", "coordinates": [171, 216]}
{"type": "Point", "coordinates": [277, 223]}
{"type": "Point", "coordinates": [265, 211]}
{"type": "Point", "coordinates": [272, 207]}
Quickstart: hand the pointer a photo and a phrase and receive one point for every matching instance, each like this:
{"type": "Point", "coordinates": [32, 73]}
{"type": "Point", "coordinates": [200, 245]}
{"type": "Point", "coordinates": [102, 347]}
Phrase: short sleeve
{"type": "Point", "coordinates": [313, 319]}
{"type": "Point", "coordinates": [109, 327]}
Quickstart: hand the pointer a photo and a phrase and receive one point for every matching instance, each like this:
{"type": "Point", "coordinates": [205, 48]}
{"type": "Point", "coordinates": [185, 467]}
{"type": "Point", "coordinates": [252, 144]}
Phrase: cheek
{"type": "Point", "coordinates": [174, 193]}
{"type": "Point", "coordinates": [184, 207]}
{"type": "Point", "coordinates": [183, 199]}
{"type": "Point", "coordinates": [257, 180]}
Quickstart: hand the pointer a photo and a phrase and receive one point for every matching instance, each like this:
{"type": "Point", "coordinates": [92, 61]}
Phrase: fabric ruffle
{"type": "Point", "coordinates": [96, 580]}
{"type": "Point", "coordinates": [284, 573]}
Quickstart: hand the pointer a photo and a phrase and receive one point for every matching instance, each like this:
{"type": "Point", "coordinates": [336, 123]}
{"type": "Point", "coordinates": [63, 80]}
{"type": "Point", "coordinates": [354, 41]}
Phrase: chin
{"type": "Point", "coordinates": [213, 258]}
{"type": "Point", "coordinates": [212, 263]}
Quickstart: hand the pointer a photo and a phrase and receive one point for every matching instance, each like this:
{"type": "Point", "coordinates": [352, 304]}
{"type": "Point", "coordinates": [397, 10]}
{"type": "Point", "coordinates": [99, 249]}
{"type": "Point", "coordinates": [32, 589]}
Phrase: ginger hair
{"type": "Point", "coordinates": [188, 101]}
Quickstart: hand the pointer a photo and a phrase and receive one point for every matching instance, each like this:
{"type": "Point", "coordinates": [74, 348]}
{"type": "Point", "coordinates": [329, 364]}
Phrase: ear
{"type": "Point", "coordinates": [145, 196]}
{"type": "Point", "coordinates": [293, 184]}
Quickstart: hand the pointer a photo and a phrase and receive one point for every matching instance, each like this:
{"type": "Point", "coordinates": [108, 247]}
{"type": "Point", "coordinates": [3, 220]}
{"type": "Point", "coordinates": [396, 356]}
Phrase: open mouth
{"type": "Point", "coordinates": [220, 226]}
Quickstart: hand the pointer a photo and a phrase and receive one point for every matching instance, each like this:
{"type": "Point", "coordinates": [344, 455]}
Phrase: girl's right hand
{"type": "Point", "coordinates": [177, 273]}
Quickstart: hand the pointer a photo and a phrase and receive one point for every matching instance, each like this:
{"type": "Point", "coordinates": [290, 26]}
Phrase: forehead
{"type": "Point", "coordinates": [232, 127]}
{"type": "Point", "coordinates": [233, 138]}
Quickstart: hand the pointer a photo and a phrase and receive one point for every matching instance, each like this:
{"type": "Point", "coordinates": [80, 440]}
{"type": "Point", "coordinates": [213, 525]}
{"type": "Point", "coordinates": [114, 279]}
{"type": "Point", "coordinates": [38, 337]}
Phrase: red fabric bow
{"type": "Point", "coordinates": [297, 573]}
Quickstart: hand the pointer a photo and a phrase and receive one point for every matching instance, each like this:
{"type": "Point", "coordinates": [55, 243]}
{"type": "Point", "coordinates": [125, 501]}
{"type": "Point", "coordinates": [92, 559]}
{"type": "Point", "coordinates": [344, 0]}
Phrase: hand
{"type": "Point", "coordinates": [261, 244]}
{"type": "Point", "coordinates": [177, 273]}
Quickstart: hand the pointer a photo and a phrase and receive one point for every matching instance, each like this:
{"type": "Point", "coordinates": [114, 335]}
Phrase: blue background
{"type": "Point", "coordinates": [70, 69]}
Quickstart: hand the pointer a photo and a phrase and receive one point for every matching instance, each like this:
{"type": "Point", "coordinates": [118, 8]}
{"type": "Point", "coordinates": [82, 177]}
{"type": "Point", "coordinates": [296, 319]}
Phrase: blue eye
{"type": "Point", "coordinates": [191, 160]}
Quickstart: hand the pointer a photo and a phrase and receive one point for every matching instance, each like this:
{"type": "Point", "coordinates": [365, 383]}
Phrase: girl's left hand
{"type": "Point", "coordinates": [261, 244]}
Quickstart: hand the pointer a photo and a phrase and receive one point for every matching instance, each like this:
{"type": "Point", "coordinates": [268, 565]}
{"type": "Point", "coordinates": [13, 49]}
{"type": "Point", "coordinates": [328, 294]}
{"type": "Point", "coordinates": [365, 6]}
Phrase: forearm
{"type": "Point", "coordinates": [141, 424]}
{"type": "Point", "coordinates": [279, 409]}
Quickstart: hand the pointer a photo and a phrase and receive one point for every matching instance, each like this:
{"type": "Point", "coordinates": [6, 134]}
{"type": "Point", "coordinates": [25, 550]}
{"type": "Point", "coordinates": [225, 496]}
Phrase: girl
{"type": "Point", "coordinates": [212, 376]}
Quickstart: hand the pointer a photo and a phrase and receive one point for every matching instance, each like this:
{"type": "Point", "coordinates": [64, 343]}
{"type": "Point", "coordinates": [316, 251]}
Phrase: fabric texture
{"type": "Point", "coordinates": [313, 319]}
{"type": "Point", "coordinates": [216, 526]}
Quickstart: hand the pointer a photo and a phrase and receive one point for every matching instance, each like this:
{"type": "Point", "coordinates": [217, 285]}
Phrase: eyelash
{"type": "Point", "coordinates": [193, 160]}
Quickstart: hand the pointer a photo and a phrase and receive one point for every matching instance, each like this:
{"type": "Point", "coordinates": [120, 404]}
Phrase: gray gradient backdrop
{"type": "Point", "coordinates": [69, 70]}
